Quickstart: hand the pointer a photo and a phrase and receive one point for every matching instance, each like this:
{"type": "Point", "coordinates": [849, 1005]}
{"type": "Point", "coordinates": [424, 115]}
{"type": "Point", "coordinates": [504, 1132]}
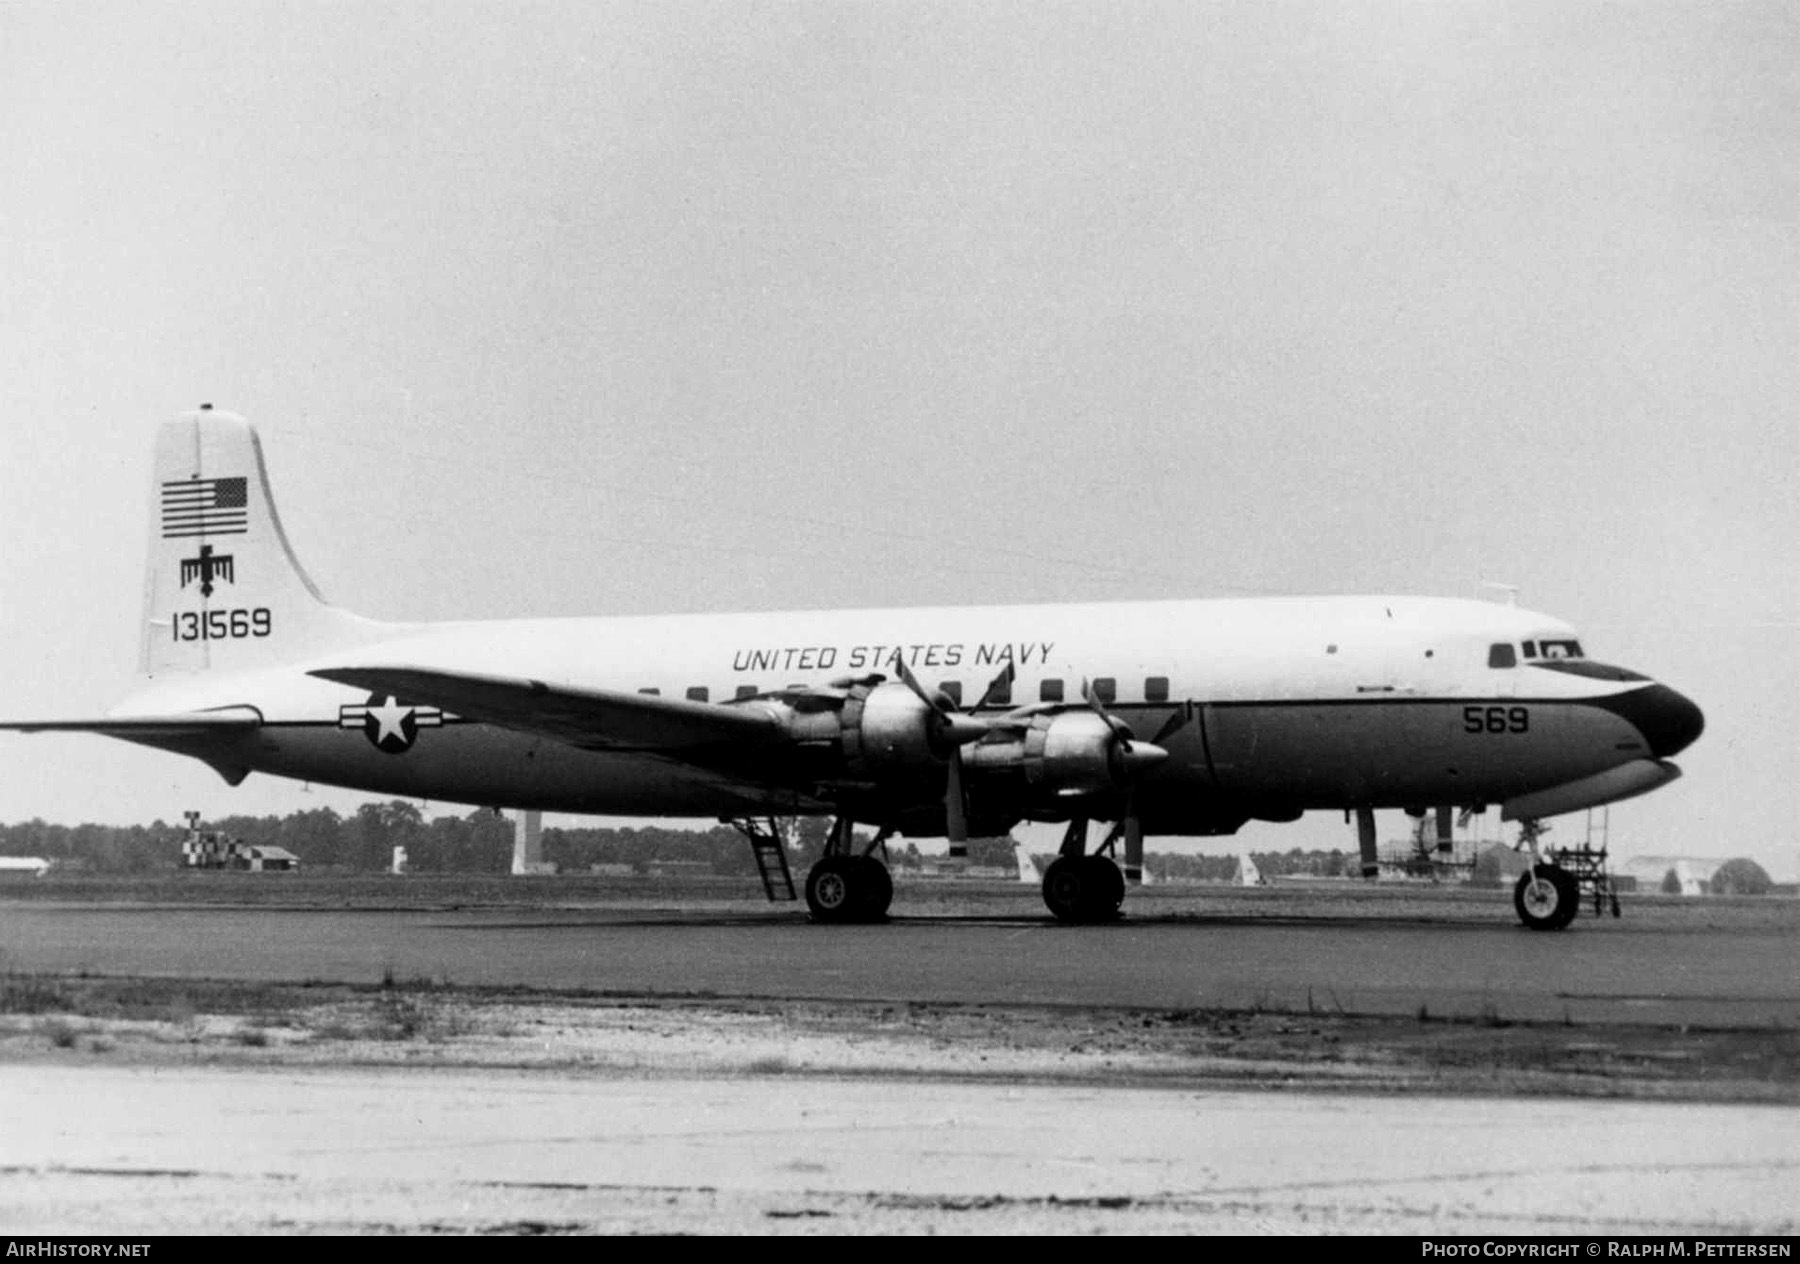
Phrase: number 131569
{"type": "Point", "coordinates": [221, 625]}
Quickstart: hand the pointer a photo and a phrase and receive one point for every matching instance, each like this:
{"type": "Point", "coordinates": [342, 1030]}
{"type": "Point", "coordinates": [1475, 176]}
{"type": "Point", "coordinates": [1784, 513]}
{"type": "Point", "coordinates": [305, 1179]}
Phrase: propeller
{"type": "Point", "coordinates": [1136, 756]}
{"type": "Point", "coordinates": [951, 731]}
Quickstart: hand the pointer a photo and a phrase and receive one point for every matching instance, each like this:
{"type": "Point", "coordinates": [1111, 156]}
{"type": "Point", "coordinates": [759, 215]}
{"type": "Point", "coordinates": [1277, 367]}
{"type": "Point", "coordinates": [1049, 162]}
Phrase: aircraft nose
{"type": "Point", "coordinates": [1668, 720]}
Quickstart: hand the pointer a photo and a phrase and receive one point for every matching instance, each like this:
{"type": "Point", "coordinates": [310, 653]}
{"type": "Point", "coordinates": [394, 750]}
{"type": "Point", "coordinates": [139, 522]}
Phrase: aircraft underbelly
{"type": "Point", "coordinates": [483, 765]}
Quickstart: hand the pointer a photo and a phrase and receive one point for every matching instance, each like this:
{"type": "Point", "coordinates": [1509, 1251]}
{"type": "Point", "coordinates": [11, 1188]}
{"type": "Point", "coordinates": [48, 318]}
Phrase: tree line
{"type": "Point", "coordinates": [482, 842]}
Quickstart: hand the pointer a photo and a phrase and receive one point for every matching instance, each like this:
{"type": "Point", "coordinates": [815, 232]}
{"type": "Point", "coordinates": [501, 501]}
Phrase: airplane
{"type": "Point", "coordinates": [1185, 717]}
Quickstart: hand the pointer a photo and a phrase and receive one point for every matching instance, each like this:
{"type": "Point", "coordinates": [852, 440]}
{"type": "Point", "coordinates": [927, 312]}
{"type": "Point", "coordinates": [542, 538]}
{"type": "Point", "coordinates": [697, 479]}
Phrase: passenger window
{"type": "Point", "coordinates": [697, 693]}
{"type": "Point", "coordinates": [1502, 654]}
{"type": "Point", "coordinates": [1156, 689]}
{"type": "Point", "coordinates": [652, 692]}
{"type": "Point", "coordinates": [1000, 695]}
{"type": "Point", "coordinates": [746, 691]}
{"type": "Point", "coordinates": [1105, 689]}
{"type": "Point", "coordinates": [951, 689]}
{"type": "Point", "coordinates": [1050, 691]}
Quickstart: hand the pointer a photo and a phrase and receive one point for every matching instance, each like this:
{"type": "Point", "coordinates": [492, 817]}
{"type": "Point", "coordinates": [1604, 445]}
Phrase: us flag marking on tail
{"type": "Point", "coordinates": [205, 506]}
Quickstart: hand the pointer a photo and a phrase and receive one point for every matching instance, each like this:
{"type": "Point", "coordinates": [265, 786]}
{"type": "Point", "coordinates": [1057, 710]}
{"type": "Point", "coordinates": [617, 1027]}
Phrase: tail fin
{"type": "Point", "coordinates": [1028, 871]}
{"type": "Point", "coordinates": [1248, 874]}
{"type": "Point", "coordinates": [223, 590]}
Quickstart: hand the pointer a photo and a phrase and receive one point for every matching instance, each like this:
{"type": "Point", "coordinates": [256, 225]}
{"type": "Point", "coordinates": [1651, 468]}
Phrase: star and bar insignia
{"type": "Point", "coordinates": [390, 725]}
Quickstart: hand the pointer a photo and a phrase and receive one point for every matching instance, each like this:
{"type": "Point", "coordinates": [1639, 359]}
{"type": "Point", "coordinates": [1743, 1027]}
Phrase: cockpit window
{"type": "Point", "coordinates": [1587, 667]}
{"type": "Point", "coordinates": [1530, 648]}
{"type": "Point", "coordinates": [1560, 649]}
{"type": "Point", "coordinates": [1502, 654]}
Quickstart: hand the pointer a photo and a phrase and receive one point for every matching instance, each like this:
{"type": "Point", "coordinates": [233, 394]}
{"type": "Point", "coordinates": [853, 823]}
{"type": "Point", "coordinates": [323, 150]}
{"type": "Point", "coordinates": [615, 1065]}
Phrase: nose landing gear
{"type": "Point", "coordinates": [1547, 898]}
{"type": "Point", "coordinates": [1548, 895]}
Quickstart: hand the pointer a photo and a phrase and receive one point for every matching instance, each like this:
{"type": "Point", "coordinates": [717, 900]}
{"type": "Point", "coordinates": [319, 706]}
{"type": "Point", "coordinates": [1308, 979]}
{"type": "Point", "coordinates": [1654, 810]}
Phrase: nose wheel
{"type": "Point", "coordinates": [1547, 898]}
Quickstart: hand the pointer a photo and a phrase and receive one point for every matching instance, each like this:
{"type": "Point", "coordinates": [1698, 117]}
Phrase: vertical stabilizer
{"type": "Point", "coordinates": [1028, 870]}
{"type": "Point", "coordinates": [222, 588]}
{"type": "Point", "coordinates": [1248, 874]}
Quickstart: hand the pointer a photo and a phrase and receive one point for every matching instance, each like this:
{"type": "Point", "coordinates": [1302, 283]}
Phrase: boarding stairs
{"type": "Point", "coordinates": [770, 851]}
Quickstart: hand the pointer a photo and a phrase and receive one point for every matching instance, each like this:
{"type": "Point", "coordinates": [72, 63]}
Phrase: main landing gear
{"type": "Point", "coordinates": [1547, 896]}
{"type": "Point", "coordinates": [846, 885]}
{"type": "Point", "coordinates": [1083, 888]}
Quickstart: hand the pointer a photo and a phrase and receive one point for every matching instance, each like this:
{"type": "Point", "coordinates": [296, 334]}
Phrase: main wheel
{"type": "Point", "coordinates": [1106, 886]}
{"type": "Point", "coordinates": [1547, 898]}
{"type": "Point", "coordinates": [874, 887]}
{"type": "Point", "coordinates": [1065, 889]}
{"type": "Point", "coordinates": [831, 890]}
{"type": "Point", "coordinates": [1083, 889]}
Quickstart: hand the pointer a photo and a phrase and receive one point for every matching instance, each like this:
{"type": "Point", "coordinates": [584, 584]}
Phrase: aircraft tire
{"type": "Point", "coordinates": [874, 887]}
{"type": "Point", "coordinates": [831, 887]}
{"type": "Point", "coordinates": [1554, 912]}
{"type": "Point", "coordinates": [1065, 889]}
{"type": "Point", "coordinates": [1106, 887]}
{"type": "Point", "coordinates": [1083, 889]}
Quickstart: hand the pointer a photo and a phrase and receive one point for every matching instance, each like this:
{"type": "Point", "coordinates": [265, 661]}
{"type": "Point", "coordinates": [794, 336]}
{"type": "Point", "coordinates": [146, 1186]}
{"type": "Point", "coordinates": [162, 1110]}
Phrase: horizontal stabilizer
{"type": "Point", "coordinates": [147, 726]}
{"type": "Point", "coordinates": [591, 718]}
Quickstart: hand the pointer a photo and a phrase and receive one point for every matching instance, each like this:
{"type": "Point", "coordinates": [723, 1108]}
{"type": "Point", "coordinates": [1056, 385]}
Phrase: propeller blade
{"type": "Point", "coordinates": [912, 682]}
{"type": "Point", "coordinates": [1118, 726]}
{"type": "Point", "coordinates": [1003, 680]}
{"type": "Point", "coordinates": [954, 728]}
{"type": "Point", "coordinates": [956, 813]}
{"type": "Point", "coordinates": [1134, 840]}
{"type": "Point", "coordinates": [1176, 721]}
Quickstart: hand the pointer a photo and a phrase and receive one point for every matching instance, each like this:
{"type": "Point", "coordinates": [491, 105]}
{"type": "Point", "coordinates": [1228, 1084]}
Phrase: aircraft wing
{"type": "Point", "coordinates": [179, 724]}
{"type": "Point", "coordinates": [596, 719]}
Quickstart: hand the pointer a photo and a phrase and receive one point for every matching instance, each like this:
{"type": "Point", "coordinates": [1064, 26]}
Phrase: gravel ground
{"type": "Point", "coordinates": [139, 1021]}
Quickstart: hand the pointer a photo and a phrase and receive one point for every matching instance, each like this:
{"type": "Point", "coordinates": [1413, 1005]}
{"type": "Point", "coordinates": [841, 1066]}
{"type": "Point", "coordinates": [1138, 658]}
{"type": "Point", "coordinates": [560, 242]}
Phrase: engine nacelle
{"type": "Point", "coordinates": [890, 729]}
{"type": "Point", "coordinates": [1069, 753]}
{"type": "Point", "coordinates": [880, 730]}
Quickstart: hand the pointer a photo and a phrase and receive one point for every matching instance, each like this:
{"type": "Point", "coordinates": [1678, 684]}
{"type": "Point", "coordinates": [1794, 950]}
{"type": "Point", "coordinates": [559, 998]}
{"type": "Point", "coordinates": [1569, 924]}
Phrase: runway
{"type": "Point", "coordinates": [1698, 963]}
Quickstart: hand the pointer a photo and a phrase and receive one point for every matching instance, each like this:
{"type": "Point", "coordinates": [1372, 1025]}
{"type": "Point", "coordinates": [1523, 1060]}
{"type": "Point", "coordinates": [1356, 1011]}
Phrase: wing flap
{"type": "Point", "coordinates": [592, 718]}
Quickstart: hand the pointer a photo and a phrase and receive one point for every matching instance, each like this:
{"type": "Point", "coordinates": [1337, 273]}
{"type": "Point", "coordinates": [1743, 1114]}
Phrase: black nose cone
{"type": "Point", "coordinates": [1668, 721]}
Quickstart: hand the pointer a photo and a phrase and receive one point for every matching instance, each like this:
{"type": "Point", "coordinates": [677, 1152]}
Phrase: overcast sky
{"type": "Point", "coordinates": [623, 308]}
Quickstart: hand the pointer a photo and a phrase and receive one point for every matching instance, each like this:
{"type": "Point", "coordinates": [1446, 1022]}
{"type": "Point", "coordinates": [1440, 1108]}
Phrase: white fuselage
{"type": "Point", "coordinates": [1267, 707]}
